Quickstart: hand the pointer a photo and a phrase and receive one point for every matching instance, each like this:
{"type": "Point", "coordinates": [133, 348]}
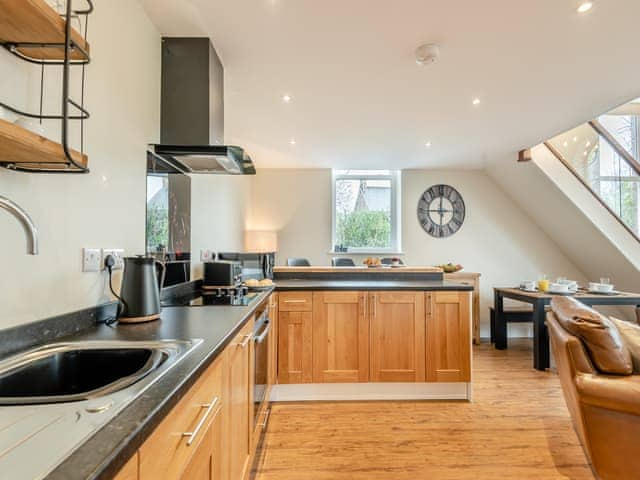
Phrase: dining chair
{"type": "Point", "coordinates": [342, 262]}
{"type": "Point", "coordinates": [298, 262]}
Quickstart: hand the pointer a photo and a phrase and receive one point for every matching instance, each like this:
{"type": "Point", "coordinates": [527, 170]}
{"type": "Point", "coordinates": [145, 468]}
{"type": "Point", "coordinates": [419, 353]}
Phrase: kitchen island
{"type": "Point", "coordinates": [358, 333]}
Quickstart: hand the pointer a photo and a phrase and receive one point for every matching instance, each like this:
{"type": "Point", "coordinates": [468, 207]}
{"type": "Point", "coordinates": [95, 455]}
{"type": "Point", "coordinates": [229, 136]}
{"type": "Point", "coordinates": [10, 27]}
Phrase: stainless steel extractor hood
{"type": "Point", "coordinates": [192, 111]}
{"type": "Point", "coordinates": [207, 159]}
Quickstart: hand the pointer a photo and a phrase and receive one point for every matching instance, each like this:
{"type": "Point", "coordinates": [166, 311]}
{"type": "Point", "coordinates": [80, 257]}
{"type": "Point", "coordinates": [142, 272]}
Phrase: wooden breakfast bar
{"type": "Point", "coordinates": [372, 333]}
{"type": "Point", "coordinates": [539, 301]}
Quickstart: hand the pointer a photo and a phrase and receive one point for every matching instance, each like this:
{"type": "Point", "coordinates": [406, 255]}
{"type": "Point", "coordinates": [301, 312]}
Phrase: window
{"type": "Point", "coordinates": [157, 212]}
{"type": "Point", "coordinates": [615, 181]}
{"type": "Point", "coordinates": [366, 205]}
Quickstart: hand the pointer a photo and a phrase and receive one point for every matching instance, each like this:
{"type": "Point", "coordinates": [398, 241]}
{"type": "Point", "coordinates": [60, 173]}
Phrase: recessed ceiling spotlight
{"type": "Point", "coordinates": [428, 144]}
{"type": "Point", "coordinates": [286, 98]}
{"type": "Point", "coordinates": [476, 102]}
{"type": "Point", "coordinates": [565, 144]}
{"type": "Point", "coordinates": [585, 7]}
{"type": "Point", "coordinates": [427, 53]}
{"type": "Point", "coordinates": [292, 141]}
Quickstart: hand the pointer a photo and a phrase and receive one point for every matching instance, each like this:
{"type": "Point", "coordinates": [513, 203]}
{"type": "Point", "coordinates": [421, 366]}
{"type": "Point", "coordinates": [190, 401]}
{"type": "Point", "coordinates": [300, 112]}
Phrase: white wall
{"type": "Point", "coordinates": [105, 208]}
{"type": "Point", "coordinates": [219, 207]}
{"type": "Point", "coordinates": [296, 204]}
{"type": "Point", "coordinates": [498, 239]}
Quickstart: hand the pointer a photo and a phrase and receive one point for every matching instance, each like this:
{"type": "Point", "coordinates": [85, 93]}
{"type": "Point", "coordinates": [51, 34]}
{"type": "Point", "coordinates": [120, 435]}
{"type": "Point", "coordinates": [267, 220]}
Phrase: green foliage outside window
{"type": "Point", "coordinates": [157, 227]}
{"type": "Point", "coordinates": [364, 229]}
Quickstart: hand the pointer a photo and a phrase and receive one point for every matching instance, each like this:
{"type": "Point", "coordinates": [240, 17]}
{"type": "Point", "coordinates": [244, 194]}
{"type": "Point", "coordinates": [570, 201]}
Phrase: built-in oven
{"type": "Point", "coordinates": [261, 333]}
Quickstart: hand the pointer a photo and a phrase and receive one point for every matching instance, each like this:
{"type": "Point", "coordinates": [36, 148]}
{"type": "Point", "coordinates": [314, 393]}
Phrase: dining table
{"type": "Point", "coordinates": [540, 301]}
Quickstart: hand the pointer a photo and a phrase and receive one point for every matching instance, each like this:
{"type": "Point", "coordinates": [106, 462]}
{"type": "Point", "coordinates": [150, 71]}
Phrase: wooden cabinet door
{"type": "Point", "coordinates": [340, 337]}
{"type": "Point", "coordinates": [200, 465]}
{"type": "Point", "coordinates": [294, 345]}
{"type": "Point", "coordinates": [448, 356]}
{"type": "Point", "coordinates": [178, 446]}
{"type": "Point", "coordinates": [397, 336]}
{"type": "Point", "coordinates": [240, 402]}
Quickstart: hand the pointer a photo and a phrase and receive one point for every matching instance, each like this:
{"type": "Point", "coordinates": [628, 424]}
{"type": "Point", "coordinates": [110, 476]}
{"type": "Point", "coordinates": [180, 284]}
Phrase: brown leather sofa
{"type": "Point", "coordinates": [605, 407]}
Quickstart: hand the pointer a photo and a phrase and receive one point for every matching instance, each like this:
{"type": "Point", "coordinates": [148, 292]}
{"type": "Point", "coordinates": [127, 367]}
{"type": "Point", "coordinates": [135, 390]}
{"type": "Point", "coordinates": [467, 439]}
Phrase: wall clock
{"type": "Point", "coordinates": [441, 211]}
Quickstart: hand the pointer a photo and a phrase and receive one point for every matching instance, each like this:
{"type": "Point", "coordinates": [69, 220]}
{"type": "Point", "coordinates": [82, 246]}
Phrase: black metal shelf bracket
{"type": "Point", "coordinates": [69, 47]}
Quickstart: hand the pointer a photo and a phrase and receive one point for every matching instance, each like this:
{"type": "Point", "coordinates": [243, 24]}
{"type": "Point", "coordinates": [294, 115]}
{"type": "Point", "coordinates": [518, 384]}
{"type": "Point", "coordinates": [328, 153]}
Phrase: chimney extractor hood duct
{"type": "Point", "coordinates": [192, 111]}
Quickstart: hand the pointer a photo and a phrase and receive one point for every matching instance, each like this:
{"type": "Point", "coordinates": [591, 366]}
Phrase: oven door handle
{"type": "Point", "coordinates": [260, 338]}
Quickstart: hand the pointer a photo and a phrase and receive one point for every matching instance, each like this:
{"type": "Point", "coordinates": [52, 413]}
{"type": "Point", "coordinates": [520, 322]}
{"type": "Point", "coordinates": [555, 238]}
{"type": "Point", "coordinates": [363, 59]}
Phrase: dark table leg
{"type": "Point", "coordinates": [500, 321]}
{"type": "Point", "coordinates": [540, 337]}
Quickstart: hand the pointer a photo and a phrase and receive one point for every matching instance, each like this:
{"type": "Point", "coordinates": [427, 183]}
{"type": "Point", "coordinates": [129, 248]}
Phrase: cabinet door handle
{"type": "Point", "coordinates": [260, 338]}
{"type": "Point", "coordinates": [209, 408]}
{"type": "Point", "coordinates": [294, 301]}
{"type": "Point", "coordinates": [245, 342]}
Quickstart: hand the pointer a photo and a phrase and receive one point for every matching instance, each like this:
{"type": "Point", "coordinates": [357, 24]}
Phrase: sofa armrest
{"type": "Point", "coordinates": [621, 394]}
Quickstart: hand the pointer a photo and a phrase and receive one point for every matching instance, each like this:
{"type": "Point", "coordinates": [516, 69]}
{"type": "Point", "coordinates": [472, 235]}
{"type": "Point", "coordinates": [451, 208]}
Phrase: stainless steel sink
{"type": "Point", "coordinates": [67, 372]}
{"type": "Point", "coordinates": [54, 397]}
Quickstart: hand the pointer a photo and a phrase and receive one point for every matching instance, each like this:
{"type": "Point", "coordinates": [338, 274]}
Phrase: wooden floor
{"type": "Point", "coordinates": [516, 428]}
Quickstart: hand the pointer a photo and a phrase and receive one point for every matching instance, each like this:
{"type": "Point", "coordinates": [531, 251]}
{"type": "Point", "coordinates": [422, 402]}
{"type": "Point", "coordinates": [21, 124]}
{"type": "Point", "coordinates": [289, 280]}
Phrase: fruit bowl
{"type": "Point", "coordinates": [451, 268]}
{"type": "Point", "coordinates": [372, 262]}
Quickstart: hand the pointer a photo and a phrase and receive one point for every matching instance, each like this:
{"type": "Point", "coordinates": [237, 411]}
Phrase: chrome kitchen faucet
{"type": "Point", "coordinates": [29, 227]}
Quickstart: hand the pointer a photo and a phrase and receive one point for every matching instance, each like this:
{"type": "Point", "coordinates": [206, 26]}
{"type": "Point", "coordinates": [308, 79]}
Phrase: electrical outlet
{"type": "Point", "coordinates": [117, 254]}
{"type": "Point", "coordinates": [206, 255]}
{"type": "Point", "coordinates": [91, 259]}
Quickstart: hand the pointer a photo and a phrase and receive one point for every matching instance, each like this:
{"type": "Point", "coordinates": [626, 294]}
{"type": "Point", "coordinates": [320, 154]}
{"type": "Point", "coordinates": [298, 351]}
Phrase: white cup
{"type": "Point", "coordinates": [30, 124]}
{"type": "Point", "coordinates": [528, 285]}
{"type": "Point", "coordinates": [559, 287]}
{"type": "Point", "coordinates": [5, 114]}
{"type": "Point", "coordinates": [606, 288]}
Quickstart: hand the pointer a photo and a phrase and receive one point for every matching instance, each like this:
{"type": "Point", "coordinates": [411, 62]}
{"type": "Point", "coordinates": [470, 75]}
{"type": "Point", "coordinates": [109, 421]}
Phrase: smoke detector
{"type": "Point", "coordinates": [427, 53]}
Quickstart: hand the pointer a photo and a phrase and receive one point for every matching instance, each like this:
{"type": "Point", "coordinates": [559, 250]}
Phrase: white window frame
{"type": "Point", "coordinates": [395, 178]}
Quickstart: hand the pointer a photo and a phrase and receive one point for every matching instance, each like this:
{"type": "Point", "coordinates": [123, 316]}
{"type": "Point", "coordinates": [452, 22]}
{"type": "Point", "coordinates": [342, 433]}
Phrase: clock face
{"type": "Point", "coordinates": [441, 211]}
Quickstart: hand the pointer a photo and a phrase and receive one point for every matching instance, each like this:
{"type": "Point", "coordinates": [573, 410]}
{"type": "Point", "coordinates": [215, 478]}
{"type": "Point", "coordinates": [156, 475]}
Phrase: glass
{"type": "Point", "coordinates": [605, 280]}
{"type": "Point", "coordinates": [603, 168]}
{"type": "Point", "coordinates": [363, 213]}
{"type": "Point", "coordinates": [543, 283]}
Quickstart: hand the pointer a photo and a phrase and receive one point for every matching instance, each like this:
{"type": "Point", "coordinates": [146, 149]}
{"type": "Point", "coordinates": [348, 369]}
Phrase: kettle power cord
{"type": "Point", "coordinates": [109, 263]}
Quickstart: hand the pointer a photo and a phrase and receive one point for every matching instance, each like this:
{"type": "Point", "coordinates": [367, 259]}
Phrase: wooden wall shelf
{"type": "Point", "coordinates": [30, 150]}
{"type": "Point", "coordinates": [34, 21]}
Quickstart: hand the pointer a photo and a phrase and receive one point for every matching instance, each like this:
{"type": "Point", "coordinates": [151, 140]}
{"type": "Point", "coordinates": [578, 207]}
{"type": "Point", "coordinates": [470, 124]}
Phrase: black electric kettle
{"type": "Point", "coordinates": [140, 290]}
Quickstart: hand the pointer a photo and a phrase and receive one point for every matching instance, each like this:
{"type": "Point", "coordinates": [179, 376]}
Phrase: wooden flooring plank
{"type": "Point", "coordinates": [518, 427]}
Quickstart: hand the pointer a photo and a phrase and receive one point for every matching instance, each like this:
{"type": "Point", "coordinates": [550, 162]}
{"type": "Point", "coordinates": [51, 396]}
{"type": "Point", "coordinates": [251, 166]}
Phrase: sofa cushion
{"type": "Point", "coordinates": [598, 334]}
{"type": "Point", "coordinates": [630, 333]}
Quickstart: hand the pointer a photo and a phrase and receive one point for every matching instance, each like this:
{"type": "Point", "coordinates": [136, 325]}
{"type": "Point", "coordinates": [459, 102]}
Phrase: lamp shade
{"type": "Point", "coordinates": [260, 241]}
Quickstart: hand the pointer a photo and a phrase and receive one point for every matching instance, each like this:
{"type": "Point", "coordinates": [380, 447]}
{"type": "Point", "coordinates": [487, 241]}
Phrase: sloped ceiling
{"type": "Point", "coordinates": [359, 99]}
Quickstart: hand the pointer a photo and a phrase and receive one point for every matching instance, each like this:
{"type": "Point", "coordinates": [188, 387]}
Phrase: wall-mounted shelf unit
{"type": "Point", "coordinates": [38, 31]}
{"type": "Point", "coordinates": [20, 146]}
{"type": "Point", "coordinates": [34, 32]}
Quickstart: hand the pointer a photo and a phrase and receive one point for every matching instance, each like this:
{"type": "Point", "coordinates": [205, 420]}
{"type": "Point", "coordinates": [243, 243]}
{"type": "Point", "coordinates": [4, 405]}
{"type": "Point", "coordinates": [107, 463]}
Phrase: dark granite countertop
{"type": "Point", "coordinates": [420, 285]}
{"type": "Point", "coordinates": [103, 454]}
